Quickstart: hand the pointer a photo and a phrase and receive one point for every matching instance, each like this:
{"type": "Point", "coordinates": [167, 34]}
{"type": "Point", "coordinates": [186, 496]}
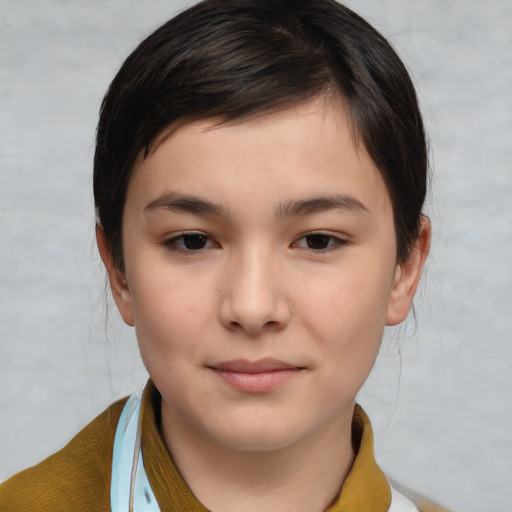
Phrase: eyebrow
{"type": "Point", "coordinates": [186, 204]}
{"type": "Point", "coordinates": [321, 204]}
{"type": "Point", "coordinates": [295, 208]}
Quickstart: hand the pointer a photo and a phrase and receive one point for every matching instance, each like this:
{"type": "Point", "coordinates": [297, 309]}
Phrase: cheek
{"type": "Point", "coordinates": [171, 313]}
{"type": "Point", "coordinates": [346, 312]}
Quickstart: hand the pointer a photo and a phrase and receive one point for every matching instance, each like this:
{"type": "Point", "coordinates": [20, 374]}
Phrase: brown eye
{"type": "Point", "coordinates": [318, 241]}
{"type": "Point", "coordinates": [194, 241]}
{"type": "Point", "coordinates": [190, 242]}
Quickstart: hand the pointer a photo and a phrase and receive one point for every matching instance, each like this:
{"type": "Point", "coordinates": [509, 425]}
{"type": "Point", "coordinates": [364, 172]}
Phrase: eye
{"type": "Point", "coordinates": [319, 242]}
{"type": "Point", "coordinates": [190, 242]}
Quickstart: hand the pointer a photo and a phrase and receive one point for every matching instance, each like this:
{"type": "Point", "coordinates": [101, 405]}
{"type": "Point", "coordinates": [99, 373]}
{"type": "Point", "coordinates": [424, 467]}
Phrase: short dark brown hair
{"type": "Point", "coordinates": [239, 58]}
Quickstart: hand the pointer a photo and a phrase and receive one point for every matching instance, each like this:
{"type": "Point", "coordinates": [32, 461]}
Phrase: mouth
{"type": "Point", "coordinates": [256, 376]}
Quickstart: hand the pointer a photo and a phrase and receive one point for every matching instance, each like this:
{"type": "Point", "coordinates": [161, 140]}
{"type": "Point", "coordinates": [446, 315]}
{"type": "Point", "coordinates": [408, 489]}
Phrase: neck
{"type": "Point", "coordinates": [304, 477]}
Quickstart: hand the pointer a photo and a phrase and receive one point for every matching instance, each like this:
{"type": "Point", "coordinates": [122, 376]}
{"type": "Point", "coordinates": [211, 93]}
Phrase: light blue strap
{"type": "Point", "coordinates": [130, 490]}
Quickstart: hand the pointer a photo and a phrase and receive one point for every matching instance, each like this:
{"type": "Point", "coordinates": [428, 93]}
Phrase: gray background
{"type": "Point", "coordinates": [440, 396]}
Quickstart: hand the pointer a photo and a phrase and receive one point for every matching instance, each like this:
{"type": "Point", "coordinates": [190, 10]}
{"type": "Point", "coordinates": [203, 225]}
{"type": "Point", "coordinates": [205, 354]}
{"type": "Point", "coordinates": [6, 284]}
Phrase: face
{"type": "Point", "coordinates": [261, 270]}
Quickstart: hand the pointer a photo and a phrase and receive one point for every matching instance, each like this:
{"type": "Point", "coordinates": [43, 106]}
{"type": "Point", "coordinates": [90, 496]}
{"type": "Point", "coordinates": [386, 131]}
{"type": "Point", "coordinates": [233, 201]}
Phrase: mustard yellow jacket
{"type": "Point", "coordinates": [77, 478]}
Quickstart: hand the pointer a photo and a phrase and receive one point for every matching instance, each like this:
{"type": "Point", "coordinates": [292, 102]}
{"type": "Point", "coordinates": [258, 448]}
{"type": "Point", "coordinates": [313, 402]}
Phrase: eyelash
{"type": "Point", "coordinates": [181, 238]}
{"type": "Point", "coordinates": [334, 241]}
{"type": "Point", "coordinates": [174, 243]}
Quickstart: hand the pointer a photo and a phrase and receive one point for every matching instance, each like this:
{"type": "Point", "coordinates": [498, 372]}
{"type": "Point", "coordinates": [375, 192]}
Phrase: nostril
{"type": "Point", "coordinates": [254, 328]}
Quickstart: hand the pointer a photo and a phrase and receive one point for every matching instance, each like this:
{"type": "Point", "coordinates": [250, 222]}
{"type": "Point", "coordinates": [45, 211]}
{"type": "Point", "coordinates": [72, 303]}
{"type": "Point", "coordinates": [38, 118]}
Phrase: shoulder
{"type": "Point", "coordinates": [400, 503]}
{"type": "Point", "coordinates": [405, 500]}
{"type": "Point", "coordinates": [75, 478]}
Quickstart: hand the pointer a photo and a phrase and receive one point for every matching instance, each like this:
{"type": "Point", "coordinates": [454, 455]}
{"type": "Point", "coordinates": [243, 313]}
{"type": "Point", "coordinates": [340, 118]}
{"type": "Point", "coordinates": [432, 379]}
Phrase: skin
{"type": "Point", "coordinates": [296, 262]}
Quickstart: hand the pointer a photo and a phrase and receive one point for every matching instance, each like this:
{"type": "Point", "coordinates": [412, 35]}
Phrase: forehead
{"type": "Point", "coordinates": [307, 149]}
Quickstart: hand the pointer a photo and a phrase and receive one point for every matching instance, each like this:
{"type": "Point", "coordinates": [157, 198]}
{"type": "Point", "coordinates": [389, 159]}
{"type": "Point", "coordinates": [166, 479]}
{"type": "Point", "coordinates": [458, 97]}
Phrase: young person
{"type": "Point", "coordinates": [259, 178]}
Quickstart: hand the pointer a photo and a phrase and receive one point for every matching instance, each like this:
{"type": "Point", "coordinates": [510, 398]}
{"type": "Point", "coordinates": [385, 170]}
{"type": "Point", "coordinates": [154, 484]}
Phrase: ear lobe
{"type": "Point", "coordinates": [117, 279]}
{"type": "Point", "coordinates": [407, 277]}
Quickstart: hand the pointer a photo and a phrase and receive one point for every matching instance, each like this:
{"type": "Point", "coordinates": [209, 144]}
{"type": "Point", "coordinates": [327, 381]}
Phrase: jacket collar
{"type": "Point", "coordinates": [366, 487]}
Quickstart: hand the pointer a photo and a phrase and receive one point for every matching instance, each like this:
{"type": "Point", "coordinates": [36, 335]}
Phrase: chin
{"type": "Point", "coordinates": [260, 436]}
{"type": "Point", "coordinates": [258, 442]}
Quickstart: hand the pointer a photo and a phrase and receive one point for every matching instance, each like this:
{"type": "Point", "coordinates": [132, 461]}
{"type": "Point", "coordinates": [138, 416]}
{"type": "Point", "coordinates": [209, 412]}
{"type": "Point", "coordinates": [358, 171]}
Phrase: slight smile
{"type": "Point", "coordinates": [256, 376]}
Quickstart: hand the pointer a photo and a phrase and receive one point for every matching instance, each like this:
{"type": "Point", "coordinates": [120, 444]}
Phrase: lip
{"type": "Point", "coordinates": [267, 364]}
{"type": "Point", "coordinates": [256, 376]}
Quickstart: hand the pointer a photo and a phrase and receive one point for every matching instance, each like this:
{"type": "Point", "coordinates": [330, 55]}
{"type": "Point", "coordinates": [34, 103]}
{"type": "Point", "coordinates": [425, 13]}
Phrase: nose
{"type": "Point", "coordinates": [254, 298]}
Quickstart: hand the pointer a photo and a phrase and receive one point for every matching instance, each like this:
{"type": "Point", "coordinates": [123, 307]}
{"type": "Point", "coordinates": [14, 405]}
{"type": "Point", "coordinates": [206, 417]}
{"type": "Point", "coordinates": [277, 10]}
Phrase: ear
{"type": "Point", "coordinates": [407, 277]}
{"type": "Point", "coordinates": [117, 278]}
